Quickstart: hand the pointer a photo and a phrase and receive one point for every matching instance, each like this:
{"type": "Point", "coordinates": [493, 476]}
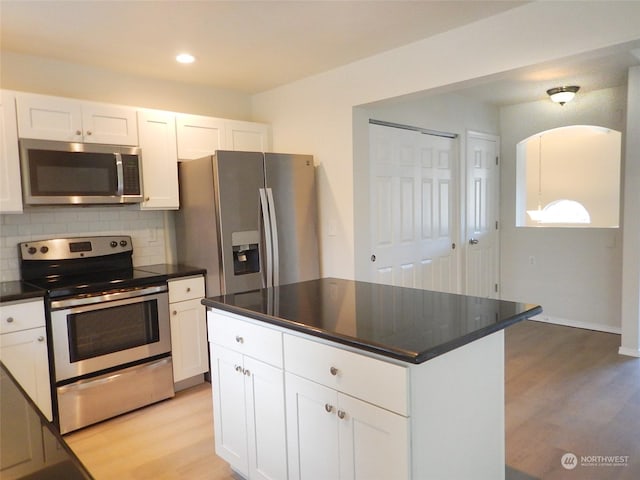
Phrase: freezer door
{"type": "Point", "coordinates": [239, 176]}
{"type": "Point", "coordinates": [291, 181]}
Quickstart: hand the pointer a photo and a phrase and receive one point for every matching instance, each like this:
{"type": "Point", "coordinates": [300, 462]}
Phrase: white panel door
{"type": "Point", "coordinates": [247, 136]}
{"type": "Point", "coordinates": [49, 118]}
{"type": "Point", "coordinates": [109, 124]}
{"type": "Point", "coordinates": [482, 239]}
{"type": "Point", "coordinates": [414, 211]}
{"type": "Point", "coordinates": [188, 339]}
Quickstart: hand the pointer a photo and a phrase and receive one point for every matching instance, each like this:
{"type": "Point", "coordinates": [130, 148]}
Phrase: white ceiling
{"type": "Point", "coordinates": [247, 46]}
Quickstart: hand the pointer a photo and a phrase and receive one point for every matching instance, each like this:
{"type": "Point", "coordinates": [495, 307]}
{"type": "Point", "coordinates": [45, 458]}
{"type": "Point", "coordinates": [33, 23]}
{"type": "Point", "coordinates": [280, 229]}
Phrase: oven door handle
{"type": "Point", "coordinates": [107, 297]}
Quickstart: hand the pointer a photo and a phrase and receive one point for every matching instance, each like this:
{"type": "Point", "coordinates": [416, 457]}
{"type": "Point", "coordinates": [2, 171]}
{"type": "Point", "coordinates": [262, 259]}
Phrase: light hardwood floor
{"type": "Point", "coordinates": [567, 391]}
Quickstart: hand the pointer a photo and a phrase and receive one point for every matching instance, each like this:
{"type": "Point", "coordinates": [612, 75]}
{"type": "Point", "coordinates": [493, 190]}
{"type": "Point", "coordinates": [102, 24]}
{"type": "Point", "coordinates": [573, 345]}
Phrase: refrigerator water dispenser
{"type": "Point", "coordinates": [246, 252]}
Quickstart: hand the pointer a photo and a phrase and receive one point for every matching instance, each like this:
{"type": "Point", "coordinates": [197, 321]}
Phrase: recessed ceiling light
{"type": "Point", "coordinates": [185, 58]}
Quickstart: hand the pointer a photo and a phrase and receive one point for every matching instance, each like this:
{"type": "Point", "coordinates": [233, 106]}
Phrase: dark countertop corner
{"type": "Point", "coordinates": [15, 290]}
{"type": "Point", "coordinates": [172, 270]}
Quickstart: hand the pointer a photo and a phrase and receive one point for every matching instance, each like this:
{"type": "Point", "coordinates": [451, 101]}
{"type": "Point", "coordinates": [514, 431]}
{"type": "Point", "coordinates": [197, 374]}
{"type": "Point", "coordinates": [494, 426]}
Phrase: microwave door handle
{"type": "Point", "coordinates": [120, 175]}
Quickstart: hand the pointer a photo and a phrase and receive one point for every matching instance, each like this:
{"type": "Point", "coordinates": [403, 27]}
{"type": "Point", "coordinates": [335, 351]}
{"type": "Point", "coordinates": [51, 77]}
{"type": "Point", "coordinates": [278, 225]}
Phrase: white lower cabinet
{"type": "Point", "coordinates": [23, 349]}
{"type": "Point", "coordinates": [249, 404]}
{"type": "Point", "coordinates": [188, 328]}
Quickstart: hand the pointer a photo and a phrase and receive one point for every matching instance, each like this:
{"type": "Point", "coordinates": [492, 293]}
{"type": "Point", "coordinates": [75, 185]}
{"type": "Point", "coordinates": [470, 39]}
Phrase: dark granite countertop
{"type": "Point", "coordinates": [17, 290]}
{"type": "Point", "coordinates": [172, 270]}
{"type": "Point", "coordinates": [25, 431]}
{"type": "Point", "coordinates": [404, 323]}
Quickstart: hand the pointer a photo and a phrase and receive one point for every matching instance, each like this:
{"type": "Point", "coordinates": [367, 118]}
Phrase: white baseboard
{"type": "Point", "coordinates": [577, 324]}
{"type": "Point", "coordinates": [629, 351]}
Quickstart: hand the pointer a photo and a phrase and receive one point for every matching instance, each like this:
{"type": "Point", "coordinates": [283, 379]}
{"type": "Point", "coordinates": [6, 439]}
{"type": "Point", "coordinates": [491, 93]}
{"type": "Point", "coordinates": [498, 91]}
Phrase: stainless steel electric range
{"type": "Point", "coordinates": [108, 324]}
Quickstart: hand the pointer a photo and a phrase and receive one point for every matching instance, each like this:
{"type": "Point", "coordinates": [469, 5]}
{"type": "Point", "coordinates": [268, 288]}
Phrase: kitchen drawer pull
{"type": "Point", "coordinates": [334, 371]}
{"type": "Point", "coordinates": [10, 320]}
{"type": "Point", "coordinates": [341, 414]}
{"type": "Point", "coordinates": [239, 339]}
{"type": "Point", "coordinates": [328, 408]}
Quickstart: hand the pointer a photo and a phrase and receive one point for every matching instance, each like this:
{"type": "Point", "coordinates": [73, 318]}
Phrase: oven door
{"type": "Point", "coordinates": [101, 332]}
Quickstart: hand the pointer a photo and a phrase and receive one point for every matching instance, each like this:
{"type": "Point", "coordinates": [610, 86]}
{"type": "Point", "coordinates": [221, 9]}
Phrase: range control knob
{"type": "Point", "coordinates": [123, 243]}
{"type": "Point", "coordinates": [32, 250]}
{"type": "Point", "coordinates": [113, 244]}
{"type": "Point", "coordinates": [44, 249]}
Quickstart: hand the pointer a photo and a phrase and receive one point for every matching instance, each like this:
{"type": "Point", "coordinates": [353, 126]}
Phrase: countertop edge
{"type": "Point", "coordinates": [406, 356]}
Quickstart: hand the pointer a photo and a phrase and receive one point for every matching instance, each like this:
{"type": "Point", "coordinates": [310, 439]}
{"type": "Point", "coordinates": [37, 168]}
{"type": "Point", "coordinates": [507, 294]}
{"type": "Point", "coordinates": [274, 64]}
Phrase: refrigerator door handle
{"type": "Point", "coordinates": [264, 207]}
{"type": "Point", "coordinates": [274, 238]}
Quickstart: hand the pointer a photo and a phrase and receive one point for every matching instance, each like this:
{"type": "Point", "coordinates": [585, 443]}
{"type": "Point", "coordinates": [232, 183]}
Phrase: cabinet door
{"type": "Point", "coordinates": [247, 136]}
{"type": "Point", "coordinates": [10, 185]}
{"type": "Point", "coordinates": [312, 430]}
{"type": "Point", "coordinates": [374, 443]}
{"type": "Point", "coordinates": [199, 136]}
{"type": "Point", "coordinates": [188, 339]}
{"type": "Point", "coordinates": [109, 124]}
{"type": "Point", "coordinates": [24, 353]}
{"type": "Point", "coordinates": [264, 390]}
{"type": "Point", "coordinates": [49, 118]}
{"type": "Point", "coordinates": [229, 419]}
{"type": "Point", "coordinates": [157, 135]}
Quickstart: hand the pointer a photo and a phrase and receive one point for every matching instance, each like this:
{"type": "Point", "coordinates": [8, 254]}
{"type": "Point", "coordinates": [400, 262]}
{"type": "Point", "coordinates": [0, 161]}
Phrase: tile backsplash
{"type": "Point", "coordinates": [147, 230]}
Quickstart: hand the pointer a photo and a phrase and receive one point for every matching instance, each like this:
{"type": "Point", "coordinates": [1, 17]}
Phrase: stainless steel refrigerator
{"type": "Point", "coordinates": [249, 218]}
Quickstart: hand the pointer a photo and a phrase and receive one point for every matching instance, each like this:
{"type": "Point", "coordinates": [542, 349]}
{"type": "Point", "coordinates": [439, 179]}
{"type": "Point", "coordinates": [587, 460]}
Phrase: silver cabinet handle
{"type": "Point", "coordinates": [333, 371]}
{"type": "Point", "coordinates": [10, 320]}
{"type": "Point", "coordinates": [341, 414]}
{"type": "Point", "coordinates": [41, 338]}
{"type": "Point", "coordinates": [473, 241]}
{"type": "Point", "coordinates": [239, 339]}
{"type": "Point", "coordinates": [328, 408]}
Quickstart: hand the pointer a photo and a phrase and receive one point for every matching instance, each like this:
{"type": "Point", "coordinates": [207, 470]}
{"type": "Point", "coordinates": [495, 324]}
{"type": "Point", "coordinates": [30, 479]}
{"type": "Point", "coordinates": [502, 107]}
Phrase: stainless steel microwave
{"type": "Point", "coordinates": [61, 173]}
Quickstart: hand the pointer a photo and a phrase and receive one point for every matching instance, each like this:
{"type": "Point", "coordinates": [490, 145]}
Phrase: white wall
{"type": "Point", "coordinates": [316, 115]}
{"type": "Point", "coordinates": [574, 273]}
{"type": "Point", "coordinates": [631, 241]}
{"type": "Point", "coordinates": [51, 77]}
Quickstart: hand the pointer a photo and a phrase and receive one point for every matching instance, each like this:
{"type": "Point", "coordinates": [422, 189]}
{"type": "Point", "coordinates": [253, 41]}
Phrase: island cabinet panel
{"type": "Point", "coordinates": [248, 397]}
{"type": "Point", "coordinates": [333, 435]}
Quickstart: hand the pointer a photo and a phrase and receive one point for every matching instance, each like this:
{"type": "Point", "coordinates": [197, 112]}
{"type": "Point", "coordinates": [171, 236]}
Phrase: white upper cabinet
{"type": "Point", "coordinates": [55, 118]}
{"type": "Point", "coordinates": [199, 136]}
{"type": "Point", "coordinates": [10, 187]}
{"type": "Point", "coordinates": [157, 132]}
{"type": "Point", "coordinates": [247, 136]}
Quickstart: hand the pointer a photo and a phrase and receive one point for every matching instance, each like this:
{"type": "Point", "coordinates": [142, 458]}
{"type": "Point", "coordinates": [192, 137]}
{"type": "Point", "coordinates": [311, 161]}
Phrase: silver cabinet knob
{"type": "Point", "coordinates": [88, 132]}
{"type": "Point", "coordinates": [78, 132]}
{"type": "Point", "coordinates": [328, 408]}
{"type": "Point", "coordinates": [247, 373]}
{"type": "Point", "coordinates": [41, 338]}
{"type": "Point", "coordinates": [9, 319]}
{"type": "Point", "coordinates": [341, 414]}
{"type": "Point", "coordinates": [239, 339]}
{"type": "Point", "coordinates": [175, 312]}
{"type": "Point", "coordinates": [146, 199]}
{"type": "Point", "coordinates": [238, 368]}
{"type": "Point", "coordinates": [334, 371]}
{"type": "Point", "coordinates": [473, 241]}
{"type": "Point", "coordinates": [188, 289]}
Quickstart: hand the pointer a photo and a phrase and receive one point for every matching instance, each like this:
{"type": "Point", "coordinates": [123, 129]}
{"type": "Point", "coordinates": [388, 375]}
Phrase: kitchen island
{"type": "Point", "coordinates": [342, 379]}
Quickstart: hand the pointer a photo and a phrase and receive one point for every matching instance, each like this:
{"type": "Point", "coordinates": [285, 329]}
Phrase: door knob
{"type": "Point", "coordinates": [473, 241]}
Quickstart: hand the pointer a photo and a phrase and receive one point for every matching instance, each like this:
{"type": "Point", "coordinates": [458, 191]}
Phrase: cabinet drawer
{"type": "Point", "coordinates": [253, 340]}
{"type": "Point", "coordinates": [186, 289]}
{"type": "Point", "coordinates": [21, 316]}
{"type": "Point", "coordinates": [372, 380]}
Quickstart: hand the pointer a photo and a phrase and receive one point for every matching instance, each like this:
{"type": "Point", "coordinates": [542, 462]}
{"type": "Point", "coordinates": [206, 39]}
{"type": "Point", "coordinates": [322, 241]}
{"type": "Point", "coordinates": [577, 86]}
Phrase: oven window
{"type": "Point", "coordinates": [113, 329]}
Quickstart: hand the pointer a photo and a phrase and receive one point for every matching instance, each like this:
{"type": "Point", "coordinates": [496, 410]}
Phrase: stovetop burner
{"type": "Point", "coordinates": [78, 266]}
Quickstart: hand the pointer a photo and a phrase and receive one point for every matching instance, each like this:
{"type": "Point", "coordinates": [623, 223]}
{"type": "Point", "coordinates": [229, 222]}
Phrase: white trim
{"type": "Point", "coordinates": [629, 351]}
{"type": "Point", "coordinates": [578, 324]}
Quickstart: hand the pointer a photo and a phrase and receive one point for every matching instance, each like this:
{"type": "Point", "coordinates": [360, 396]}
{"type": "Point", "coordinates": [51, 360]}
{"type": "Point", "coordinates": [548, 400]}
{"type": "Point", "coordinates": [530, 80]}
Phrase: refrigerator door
{"type": "Point", "coordinates": [239, 176]}
{"type": "Point", "coordinates": [291, 181]}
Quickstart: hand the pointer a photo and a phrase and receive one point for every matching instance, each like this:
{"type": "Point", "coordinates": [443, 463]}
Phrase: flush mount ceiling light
{"type": "Point", "coordinates": [562, 95]}
{"type": "Point", "coordinates": [185, 58]}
